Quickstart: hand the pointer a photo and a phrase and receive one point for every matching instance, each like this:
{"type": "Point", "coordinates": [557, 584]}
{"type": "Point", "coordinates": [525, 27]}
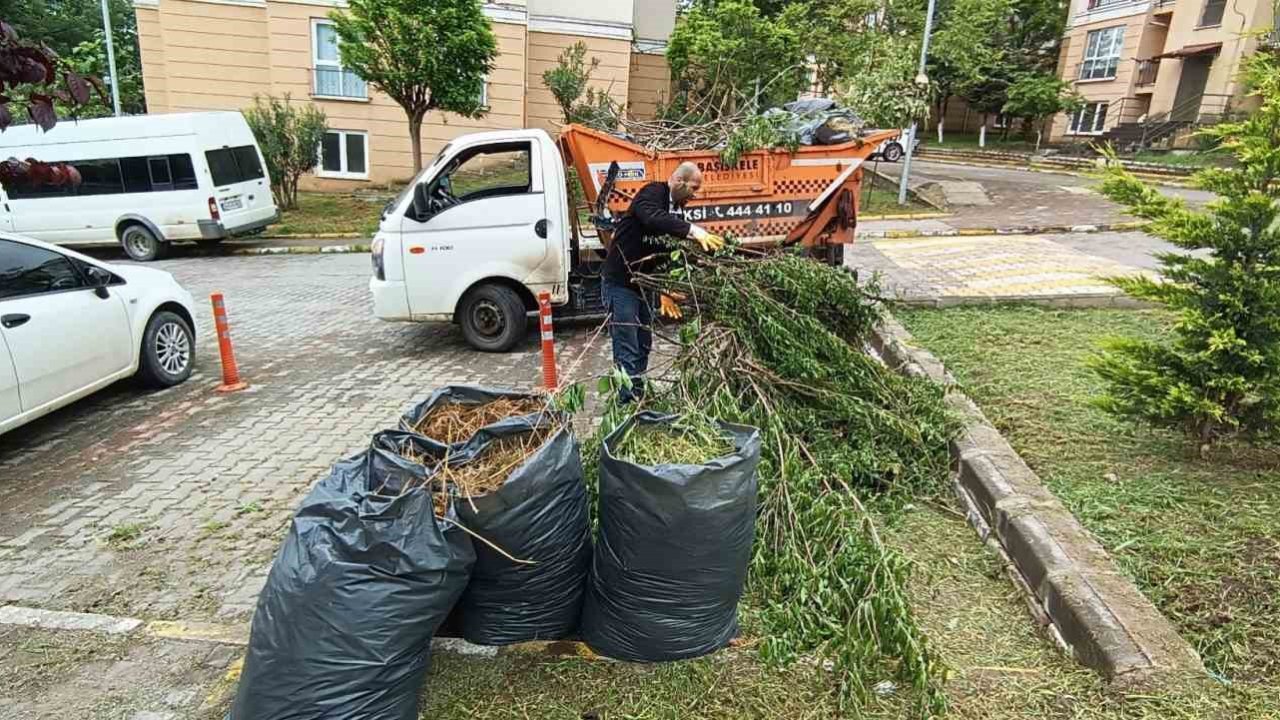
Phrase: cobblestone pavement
{"type": "Point", "coordinates": [1003, 266]}
{"type": "Point", "coordinates": [171, 504]}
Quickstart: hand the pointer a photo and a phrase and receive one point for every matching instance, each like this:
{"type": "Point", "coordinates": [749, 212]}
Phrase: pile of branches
{"type": "Point", "coordinates": [777, 345]}
{"type": "Point", "coordinates": [732, 135]}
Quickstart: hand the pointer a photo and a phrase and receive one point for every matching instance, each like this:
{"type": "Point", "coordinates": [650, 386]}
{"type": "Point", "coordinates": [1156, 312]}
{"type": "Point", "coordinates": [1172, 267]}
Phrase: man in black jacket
{"type": "Point", "coordinates": [638, 247]}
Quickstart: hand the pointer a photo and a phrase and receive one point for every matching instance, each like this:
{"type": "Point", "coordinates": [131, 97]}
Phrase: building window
{"type": "Point", "coordinates": [343, 154]}
{"type": "Point", "coordinates": [1090, 119]}
{"type": "Point", "coordinates": [1213, 12]}
{"type": "Point", "coordinates": [484, 94]}
{"type": "Point", "coordinates": [331, 79]}
{"type": "Point", "coordinates": [1102, 54]}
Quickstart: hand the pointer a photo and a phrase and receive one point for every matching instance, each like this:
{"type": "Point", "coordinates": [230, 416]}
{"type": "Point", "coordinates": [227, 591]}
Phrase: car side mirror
{"type": "Point", "coordinates": [98, 278]}
{"type": "Point", "coordinates": [421, 204]}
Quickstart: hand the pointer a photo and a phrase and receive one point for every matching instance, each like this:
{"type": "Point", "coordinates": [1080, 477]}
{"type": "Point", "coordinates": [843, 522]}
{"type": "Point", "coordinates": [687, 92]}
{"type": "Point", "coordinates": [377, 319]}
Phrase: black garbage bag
{"type": "Point", "coordinates": [672, 554]}
{"type": "Point", "coordinates": [343, 626]}
{"type": "Point", "coordinates": [459, 394]}
{"type": "Point", "coordinates": [540, 513]}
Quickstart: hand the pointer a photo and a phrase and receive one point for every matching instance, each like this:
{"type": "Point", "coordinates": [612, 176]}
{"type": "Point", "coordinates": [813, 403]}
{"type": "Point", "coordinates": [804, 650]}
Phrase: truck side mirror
{"type": "Point", "coordinates": [421, 206]}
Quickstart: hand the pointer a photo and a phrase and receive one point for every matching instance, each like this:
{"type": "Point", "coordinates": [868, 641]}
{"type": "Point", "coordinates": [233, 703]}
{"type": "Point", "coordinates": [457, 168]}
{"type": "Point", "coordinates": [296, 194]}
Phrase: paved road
{"type": "Point", "coordinates": [1028, 198]}
{"type": "Point", "coordinates": [209, 481]}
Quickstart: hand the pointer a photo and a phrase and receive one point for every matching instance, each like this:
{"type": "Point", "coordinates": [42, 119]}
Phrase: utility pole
{"type": "Point", "coordinates": [923, 80]}
{"type": "Point", "coordinates": [111, 59]}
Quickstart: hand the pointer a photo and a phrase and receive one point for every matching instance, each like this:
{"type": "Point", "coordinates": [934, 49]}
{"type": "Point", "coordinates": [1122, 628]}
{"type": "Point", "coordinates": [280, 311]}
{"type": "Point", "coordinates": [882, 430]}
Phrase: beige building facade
{"type": "Point", "coordinates": [218, 54]}
{"type": "Point", "coordinates": [1148, 61]}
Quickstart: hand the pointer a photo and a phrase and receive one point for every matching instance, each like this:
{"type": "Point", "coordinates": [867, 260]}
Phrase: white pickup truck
{"type": "Point", "coordinates": [487, 226]}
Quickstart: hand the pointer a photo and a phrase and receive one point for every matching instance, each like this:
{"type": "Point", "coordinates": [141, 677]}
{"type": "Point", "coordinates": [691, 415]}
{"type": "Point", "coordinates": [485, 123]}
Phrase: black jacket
{"type": "Point", "coordinates": [637, 243]}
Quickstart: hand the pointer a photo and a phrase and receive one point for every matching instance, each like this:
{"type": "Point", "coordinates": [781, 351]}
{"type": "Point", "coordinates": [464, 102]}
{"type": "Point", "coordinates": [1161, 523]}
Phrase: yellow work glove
{"type": "Point", "coordinates": [709, 242]}
{"type": "Point", "coordinates": [668, 308]}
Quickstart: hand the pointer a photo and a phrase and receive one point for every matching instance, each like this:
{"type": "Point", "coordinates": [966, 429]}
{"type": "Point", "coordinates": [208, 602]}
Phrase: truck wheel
{"type": "Point", "coordinates": [493, 318]}
{"type": "Point", "coordinates": [140, 244]}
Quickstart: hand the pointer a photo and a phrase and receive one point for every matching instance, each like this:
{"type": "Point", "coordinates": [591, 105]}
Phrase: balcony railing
{"type": "Point", "coordinates": [1094, 5]}
{"type": "Point", "coordinates": [337, 82]}
{"type": "Point", "coordinates": [1147, 72]}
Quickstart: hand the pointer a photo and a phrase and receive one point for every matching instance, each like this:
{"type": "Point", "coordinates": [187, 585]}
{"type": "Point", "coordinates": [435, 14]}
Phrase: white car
{"type": "Point", "coordinates": [71, 325]}
{"type": "Point", "coordinates": [893, 150]}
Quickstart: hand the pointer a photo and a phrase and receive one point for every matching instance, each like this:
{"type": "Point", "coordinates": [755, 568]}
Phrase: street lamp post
{"type": "Point", "coordinates": [111, 59]}
{"type": "Point", "coordinates": [921, 79]}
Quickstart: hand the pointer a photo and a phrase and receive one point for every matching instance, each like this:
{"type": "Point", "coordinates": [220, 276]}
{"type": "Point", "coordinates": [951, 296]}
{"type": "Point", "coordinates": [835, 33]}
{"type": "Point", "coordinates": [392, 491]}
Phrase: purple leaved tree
{"type": "Point", "coordinates": [32, 78]}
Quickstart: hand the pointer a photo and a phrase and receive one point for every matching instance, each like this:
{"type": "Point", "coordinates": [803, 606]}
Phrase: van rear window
{"type": "Point", "coordinates": [233, 165]}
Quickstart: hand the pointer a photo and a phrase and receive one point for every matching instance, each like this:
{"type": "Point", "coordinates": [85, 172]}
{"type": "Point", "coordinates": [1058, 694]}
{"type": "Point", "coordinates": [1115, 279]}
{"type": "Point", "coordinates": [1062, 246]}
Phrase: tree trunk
{"type": "Point", "coordinates": [415, 142]}
{"type": "Point", "coordinates": [982, 133]}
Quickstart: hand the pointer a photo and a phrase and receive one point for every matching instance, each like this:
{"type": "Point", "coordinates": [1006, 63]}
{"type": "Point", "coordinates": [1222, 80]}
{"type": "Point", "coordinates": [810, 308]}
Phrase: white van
{"type": "Point", "coordinates": [148, 180]}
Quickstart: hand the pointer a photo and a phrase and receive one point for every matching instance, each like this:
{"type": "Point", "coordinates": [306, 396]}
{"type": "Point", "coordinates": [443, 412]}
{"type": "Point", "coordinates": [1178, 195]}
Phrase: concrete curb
{"type": "Point", "coordinates": [299, 250]}
{"type": "Point", "coordinates": [1058, 302]}
{"type": "Point", "coordinates": [1161, 178]}
{"type": "Point", "coordinates": [1109, 625]}
{"type": "Point", "coordinates": [1009, 230]}
{"type": "Point", "coordinates": [315, 236]}
{"type": "Point", "coordinates": [238, 635]}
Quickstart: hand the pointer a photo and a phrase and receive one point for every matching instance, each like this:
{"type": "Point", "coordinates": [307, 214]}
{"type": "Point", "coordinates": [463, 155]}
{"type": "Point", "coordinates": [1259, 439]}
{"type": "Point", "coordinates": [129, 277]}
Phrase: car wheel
{"type": "Point", "coordinates": [892, 152]}
{"type": "Point", "coordinates": [493, 318]}
{"type": "Point", "coordinates": [168, 350]}
{"type": "Point", "coordinates": [141, 244]}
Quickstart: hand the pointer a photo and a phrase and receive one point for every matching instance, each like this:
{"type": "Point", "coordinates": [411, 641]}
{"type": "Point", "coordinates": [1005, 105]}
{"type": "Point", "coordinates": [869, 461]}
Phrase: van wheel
{"type": "Point", "coordinates": [168, 350]}
{"type": "Point", "coordinates": [492, 318]}
{"type": "Point", "coordinates": [141, 244]}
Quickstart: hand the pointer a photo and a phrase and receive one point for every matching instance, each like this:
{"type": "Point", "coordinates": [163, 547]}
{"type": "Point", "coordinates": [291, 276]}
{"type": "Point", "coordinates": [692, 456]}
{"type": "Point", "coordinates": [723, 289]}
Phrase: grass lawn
{"type": "Point", "coordinates": [1000, 666]}
{"type": "Point", "coordinates": [969, 141]}
{"type": "Point", "coordinates": [1200, 538]}
{"type": "Point", "coordinates": [329, 213]}
{"type": "Point", "coordinates": [881, 198]}
{"type": "Point", "coordinates": [1190, 160]}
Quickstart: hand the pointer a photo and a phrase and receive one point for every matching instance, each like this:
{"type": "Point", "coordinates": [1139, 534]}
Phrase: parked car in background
{"type": "Point", "coordinates": [71, 325]}
{"type": "Point", "coordinates": [148, 181]}
{"type": "Point", "coordinates": [893, 150]}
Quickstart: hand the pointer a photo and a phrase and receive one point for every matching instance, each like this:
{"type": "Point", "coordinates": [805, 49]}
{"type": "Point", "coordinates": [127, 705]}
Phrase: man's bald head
{"type": "Point", "coordinates": [685, 183]}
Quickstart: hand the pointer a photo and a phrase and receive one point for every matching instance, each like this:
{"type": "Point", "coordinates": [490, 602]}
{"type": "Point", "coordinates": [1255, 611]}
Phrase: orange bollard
{"type": "Point", "coordinates": [230, 373]}
{"type": "Point", "coordinates": [549, 377]}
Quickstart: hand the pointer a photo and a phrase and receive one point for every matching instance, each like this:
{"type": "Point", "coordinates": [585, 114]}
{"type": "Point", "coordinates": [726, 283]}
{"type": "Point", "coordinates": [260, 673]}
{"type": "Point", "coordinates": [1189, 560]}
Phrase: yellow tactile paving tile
{"type": "Point", "coordinates": [1003, 265]}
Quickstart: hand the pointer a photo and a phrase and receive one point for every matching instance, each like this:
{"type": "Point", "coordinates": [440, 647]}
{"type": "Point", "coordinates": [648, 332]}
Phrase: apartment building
{"type": "Point", "coordinates": [219, 54]}
{"type": "Point", "coordinates": [1158, 64]}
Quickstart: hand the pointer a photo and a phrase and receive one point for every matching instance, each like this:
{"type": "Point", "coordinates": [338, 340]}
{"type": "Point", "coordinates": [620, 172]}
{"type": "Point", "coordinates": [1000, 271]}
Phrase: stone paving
{"type": "Point", "coordinates": [168, 505]}
{"type": "Point", "coordinates": [945, 270]}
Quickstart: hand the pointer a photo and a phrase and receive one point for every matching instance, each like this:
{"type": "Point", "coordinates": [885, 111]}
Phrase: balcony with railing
{"type": "Point", "coordinates": [336, 82]}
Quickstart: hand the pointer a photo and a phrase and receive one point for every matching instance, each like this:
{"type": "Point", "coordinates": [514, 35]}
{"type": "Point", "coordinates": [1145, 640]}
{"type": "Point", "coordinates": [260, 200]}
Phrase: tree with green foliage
{"type": "Point", "coordinates": [424, 55]}
{"type": "Point", "coordinates": [568, 80]}
{"type": "Point", "coordinates": [966, 42]}
{"type": "Point", "coordinates": [288, 136]}
{"type": "Point", "coordinates": [728, 58]}
{"type": "Point", "coordinates": [1037, 97]}
{"type": "Point", "coordinates": [1218, 375]}
{"type": "Point", "coordinates": [72, 29]}
{"type": "Point", "coordinates": [886, 94]}
{"type": "Point", "coordinates": [569, 83]}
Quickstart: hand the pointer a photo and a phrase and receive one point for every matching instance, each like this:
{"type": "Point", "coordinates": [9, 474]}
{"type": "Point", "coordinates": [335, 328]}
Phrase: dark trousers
{"type": "Point", "coordinates": [629, 330]}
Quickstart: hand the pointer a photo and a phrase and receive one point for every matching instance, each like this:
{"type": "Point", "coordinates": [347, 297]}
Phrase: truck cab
{"type": "Point", "coordinates": [476, 237]}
